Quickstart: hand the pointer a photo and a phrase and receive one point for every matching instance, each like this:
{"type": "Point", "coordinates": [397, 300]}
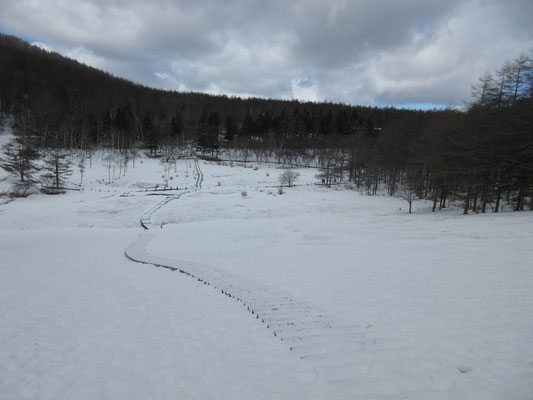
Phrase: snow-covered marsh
{"type": "Point", "coordinates": [428, 305]}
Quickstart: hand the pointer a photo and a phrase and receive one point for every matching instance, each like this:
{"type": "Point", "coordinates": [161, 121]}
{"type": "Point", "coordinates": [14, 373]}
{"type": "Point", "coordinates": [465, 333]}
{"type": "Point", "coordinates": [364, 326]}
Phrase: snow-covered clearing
{"type": "Point", "coordinates": [375, 303]}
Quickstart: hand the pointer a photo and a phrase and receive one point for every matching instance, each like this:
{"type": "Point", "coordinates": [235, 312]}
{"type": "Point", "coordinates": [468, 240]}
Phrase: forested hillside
{"type": "Point", "coordinates": [86, 106]}
{"type": "Point", "coordinates": [482, 155]}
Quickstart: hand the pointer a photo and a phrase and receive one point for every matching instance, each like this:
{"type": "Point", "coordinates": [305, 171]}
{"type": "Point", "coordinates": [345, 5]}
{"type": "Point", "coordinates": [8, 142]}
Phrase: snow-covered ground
{"type": "Point", "coordinates": [375, 303]}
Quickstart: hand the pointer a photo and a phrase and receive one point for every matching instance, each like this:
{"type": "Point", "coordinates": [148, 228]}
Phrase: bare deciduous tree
{"type": "Point", "coordinates": [288, 177]}
{"type": "Point", "coordinates": [409, 195]}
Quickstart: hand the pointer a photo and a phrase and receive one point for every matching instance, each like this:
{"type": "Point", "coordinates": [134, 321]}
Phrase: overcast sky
{"type": "Point", "coordinates": [370, 52]}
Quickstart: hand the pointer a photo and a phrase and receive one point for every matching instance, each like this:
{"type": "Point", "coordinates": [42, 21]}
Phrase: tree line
{"type": "Point", "coordinates": [482, 154]}
{"type": "Point", "coordinates": [66, 102]}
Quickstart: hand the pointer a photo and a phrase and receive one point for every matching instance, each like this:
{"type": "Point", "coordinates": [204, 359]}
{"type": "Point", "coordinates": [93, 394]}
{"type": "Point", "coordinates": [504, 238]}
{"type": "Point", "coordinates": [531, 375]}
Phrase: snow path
{"type": "Point", "coordinates": [146, 221]}
{"type": "Point", "coordinates": [199, 175]}
{"type": "Point", "coordinates": [328, 345]}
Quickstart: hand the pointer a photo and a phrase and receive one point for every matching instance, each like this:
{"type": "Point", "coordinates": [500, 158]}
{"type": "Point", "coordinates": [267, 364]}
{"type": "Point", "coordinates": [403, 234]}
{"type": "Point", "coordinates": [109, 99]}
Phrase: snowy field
{"type": "Point", "coordinates": [356, 298]}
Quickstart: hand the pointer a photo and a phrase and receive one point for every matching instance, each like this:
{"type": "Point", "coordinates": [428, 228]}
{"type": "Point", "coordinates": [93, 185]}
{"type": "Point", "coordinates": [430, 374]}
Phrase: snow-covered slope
{"type": "Point", "coordinates": [386, 305]}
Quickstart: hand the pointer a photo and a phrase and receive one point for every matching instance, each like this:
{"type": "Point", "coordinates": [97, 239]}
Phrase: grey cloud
{"type": "Point", "coordinates": [358, 29]}
{"type": "Point", "coordinates": [359, 51]}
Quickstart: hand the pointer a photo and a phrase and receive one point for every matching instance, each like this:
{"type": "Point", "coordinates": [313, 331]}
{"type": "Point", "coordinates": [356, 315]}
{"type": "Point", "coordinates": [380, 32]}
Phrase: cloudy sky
{"type": "Point", "coordinates": [370, 52]}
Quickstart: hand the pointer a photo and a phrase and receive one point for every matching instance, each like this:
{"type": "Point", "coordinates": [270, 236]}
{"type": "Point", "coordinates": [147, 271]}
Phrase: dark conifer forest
{"type": "Point", "coordinates": [481, 154]}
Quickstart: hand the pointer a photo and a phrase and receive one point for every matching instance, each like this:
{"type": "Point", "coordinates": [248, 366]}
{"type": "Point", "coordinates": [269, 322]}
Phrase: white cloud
{"type": "Point", "coordinates": [42, 46]}
{"type": "Point", "coordinates": [305, 89]}
{"type": "Point", "coordinates": [86, 57]}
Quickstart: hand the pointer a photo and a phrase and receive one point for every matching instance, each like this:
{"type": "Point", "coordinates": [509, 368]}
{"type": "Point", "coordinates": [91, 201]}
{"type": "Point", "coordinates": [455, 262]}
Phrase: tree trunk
{"type": "Point", "coordinates": [443, 200]}
{"type": "Point", "coordinates": [392, 186]}
{"type": "Point", "coordinates": [57, 172]}
{"type": "Point", "coordinates": [498, 194]}
{"type": "Point", "coordinates": [467, 202]}
{"type": "Point", "coordinates": [519, 200]}
{"type": "Point", "coordinates": [484, 200]}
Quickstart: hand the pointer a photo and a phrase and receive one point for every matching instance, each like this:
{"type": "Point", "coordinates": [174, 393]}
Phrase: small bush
{"type": "Point", "coordinates": [288, 177]}
{"type": "Point", "coordinates": [50, 190]}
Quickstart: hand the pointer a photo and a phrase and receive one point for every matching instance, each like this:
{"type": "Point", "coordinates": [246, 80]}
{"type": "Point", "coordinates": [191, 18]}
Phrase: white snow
{"type": "Point", "coordinates": [374, 302]}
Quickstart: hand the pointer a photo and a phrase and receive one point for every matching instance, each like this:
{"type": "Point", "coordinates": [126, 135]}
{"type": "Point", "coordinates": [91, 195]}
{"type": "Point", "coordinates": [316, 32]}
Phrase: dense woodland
{"type": "Point", "coordinates": [482, 155]}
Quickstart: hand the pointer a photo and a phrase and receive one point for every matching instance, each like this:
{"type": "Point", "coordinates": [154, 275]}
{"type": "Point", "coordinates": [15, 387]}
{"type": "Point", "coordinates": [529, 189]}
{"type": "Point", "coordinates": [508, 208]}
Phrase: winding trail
{"type": "Point", "coordinates": [199, 175]}
{"type": "Point", "coordinates": [329, 345]}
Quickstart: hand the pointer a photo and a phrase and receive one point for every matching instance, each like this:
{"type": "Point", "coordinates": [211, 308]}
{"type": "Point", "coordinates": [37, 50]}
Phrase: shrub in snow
{"type": "Point", "coordinates": [22, 189]}
{"type": "Point", "coordinates": [244, 193]}
{"type": "Point", "coordinates": [288, 177]}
